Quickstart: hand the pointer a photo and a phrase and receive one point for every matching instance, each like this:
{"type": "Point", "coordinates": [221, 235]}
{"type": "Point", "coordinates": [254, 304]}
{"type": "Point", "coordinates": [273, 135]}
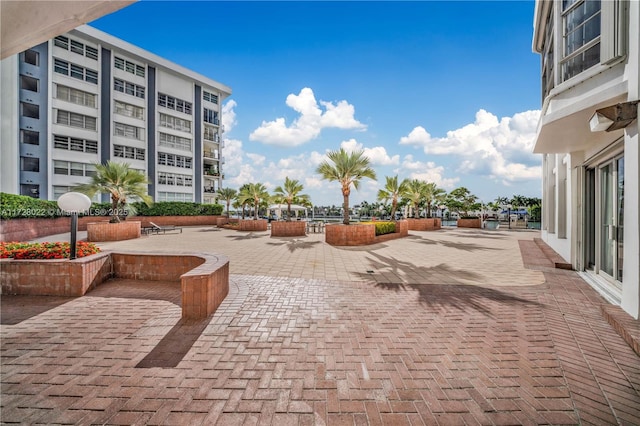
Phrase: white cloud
{"type": "Point", "coordinates": [427, 171]}
{"type": "Point", "coordinates": [501, 149]}
{"type": "Point", "coordinates": [229, 115]}
{"type": "Point", "coordinates": [377, 155]}
{"type": "Point", "coordinates": [310, 122]}
{"type": "Point", "coordinates": [257, 159]}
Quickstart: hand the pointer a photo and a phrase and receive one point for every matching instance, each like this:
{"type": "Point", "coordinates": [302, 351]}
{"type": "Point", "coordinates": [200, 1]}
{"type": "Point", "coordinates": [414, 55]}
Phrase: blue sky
{"type": "Point", "coordinates": [447, 92]}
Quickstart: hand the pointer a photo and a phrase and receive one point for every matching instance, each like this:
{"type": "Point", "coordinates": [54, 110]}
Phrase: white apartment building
{"type": "Point", "coordinates": [86, 97]}
{"type": "Point", "coordinates": [588, 133]}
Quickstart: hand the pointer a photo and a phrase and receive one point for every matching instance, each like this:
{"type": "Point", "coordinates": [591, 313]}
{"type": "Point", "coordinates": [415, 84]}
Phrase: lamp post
{"type": "Point", "coordinates": [509, 214]}
{"type": "Point", "coordinates": [74, 203]}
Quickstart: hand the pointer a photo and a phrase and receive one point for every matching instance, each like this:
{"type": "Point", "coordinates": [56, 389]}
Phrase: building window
{"type": "Point", "coordinates": [29, 83]}
{"type": "Point", "coordinates": [176, 123]}
{"type": "Point", "coordinates": [128, 66]}
{"type": "Point", "coordinates": [174, 103]}
{"type": "Point", "coordinates": [70, 168]}
{"type": "Point", "coordinates": [122, 151]}
{"type": "Point", "coordinates": [30, 110]}
{"type": "Point", "coordinates": [30, 137]}
{"type": "Point", "coordinates": [211, 134]}
{"type": "Point", "coordinates": [129, 110]}
{"type": "Point", "coordinates": [128, 88]}
{"type": "Point", "coordinates": [207, 96]}
{"type": "Point", "coordinates": [173, 141]}
{"type": "Point", "coordinates": [173, 160]}
{"type": "Point", "coordinates": [175, 179]}
{"type": "Point", "coordinates": [76, 47]}
{"type": "Point", "coordinates": [75, 144]}
{"type": "Point", "coordinates": [174, 196]}
{"type": "Point", "coordinates": [128, 131]}
{"type": "Point", "coordinates": [211, 116]}
{"type": "Point", "coordinates": [29, 164]}
{"type": "Point", "coordinates": [30, 190]}
{"type": "Point", "coordinates": [75, 71]}
{"type": "Point", "coordinates": [32, 57]}
{"type": "Point", "coordinates": [73, 119]}
{"type": "Point", "coordinates": [581, 34]}
{"type": "Point", "coordinates": [75, 96]}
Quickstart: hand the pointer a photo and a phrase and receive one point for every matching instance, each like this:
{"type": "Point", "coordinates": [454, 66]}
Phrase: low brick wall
{"type": "Point", "coordinates": [204, 278]}
{"type": "Point", "coordinates": [221, 221]}
{"type": "Point", "coordinates": [424, 224]}
{"type": "Point", "coordinates": [70, 278]}
{"type": "Point", "coordinates": [105, 231]}
{"type": "Point", "coordinates": [361, 234]}
{"type": "Point", "coordinates": [30, 229]}
{"type": "Point", "coordinates": [252, 225]}
{"type": "Point", "coordinates": [470, 223]}
{"type": "Point", "coordinates": [288, 229]}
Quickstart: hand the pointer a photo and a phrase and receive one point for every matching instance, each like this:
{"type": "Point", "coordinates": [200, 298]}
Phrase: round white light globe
{"type": "Point", "coordinates": [74, 202]}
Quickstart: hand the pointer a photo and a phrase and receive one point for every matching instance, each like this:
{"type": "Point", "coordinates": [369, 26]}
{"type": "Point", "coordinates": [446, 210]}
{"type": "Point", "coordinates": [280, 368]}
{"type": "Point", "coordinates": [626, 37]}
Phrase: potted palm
{"type": "Point", "coordinates": [124, 185]}
{"type": "Point", "coordinates": [287, 194]}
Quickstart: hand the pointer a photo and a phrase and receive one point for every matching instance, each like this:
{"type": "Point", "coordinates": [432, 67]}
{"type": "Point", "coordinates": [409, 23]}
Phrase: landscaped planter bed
{"type": "Point", "coordinates": [105, 231]}
{"type": "Point", "coordinates": [470, 223]}
{"type": "Point", "coordinates": [252, 225]}
{"type": "Point", "coordinates": [288, 229]}
{"type": "Point", "coordinates": [361, 234]}
{"type": "Point", "coordinates": [429, 224]}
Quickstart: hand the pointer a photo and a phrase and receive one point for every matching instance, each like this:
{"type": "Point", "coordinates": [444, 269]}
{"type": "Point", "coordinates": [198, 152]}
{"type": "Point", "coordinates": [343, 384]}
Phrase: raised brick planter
{"type": "Point", "coordinates": [424, 224]}
{"type": "Point", "coordinates": [361, 234]}
{"type": "Point", "coordinates": [470, 223]}
{"type": "Point", "coordinates": [288, 229]}
{"type": "Point", "coordinates": [204, 278]}
{"type": "Point", "coordinates": [252, 225]}
{"type": "Point", "coordinates": [105, 231]}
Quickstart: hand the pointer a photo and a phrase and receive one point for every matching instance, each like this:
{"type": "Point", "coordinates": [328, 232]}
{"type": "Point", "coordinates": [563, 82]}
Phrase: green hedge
{"type": "Point", "coordinates": [383, 227]}
{"type": "Point", "coordinates": [20, 206]}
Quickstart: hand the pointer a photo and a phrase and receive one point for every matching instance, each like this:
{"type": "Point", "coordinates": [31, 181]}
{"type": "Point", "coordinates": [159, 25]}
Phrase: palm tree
{"type": "Point", "coordinates": [227, 194]}
{"type": "Point", "coordinates": [253, 193]}
{"type": "Point", "coordinates": [348, 169]}
{"type": "Point", "coordinates": [391, 191]}
{"type": "Point", "coordinates": [414, 193]}
{"type": "Point", "coordinates": [431, 194]}
{"type": "Point", "coordinates": [290, 193]}
{"type": "Point", "coordinates": [123, 183]}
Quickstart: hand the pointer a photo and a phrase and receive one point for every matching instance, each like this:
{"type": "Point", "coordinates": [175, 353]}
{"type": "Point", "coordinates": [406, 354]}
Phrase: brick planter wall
{"type": "Point", "coordinates": [469, 223]}
{"type": "Point", "coordinates": [424, 224]}
{"type": "Point", "coordinates": [221, 221]}
{"type": "Point", "coordinates": [54, 277]}
{"type": "Point", "coordinates": [204, 278]}
{"type": "Point", "coordinates": [105, 231]}
{"type": "Point", "coordinates": [288, 229]}
{"type": "Point", "coordinates": [252, 225]}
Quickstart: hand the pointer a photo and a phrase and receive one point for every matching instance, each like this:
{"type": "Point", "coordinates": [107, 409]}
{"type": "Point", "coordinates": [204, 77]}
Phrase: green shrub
{"type": "Point", "coordinates": [177, 208]}
{"type": "Point", "coordinates": [383, 228]}
{"type": "Point", "coordinates": [18, 206]}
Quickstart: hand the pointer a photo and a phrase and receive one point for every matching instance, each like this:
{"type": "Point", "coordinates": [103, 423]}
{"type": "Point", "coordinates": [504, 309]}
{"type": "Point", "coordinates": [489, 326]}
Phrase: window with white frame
{"type": "Point", "coordinates": [175, 123]}
{"type": "Point", "coordinates": [211, 116]}
{"type": "Point", "coordinates": [75, 144]}
{"type": "Point", "coordinates": [173, 141]}
{"type": "Point", "coordinates": [128, 131]}
{"type": "Point", "coordinates": [581, 36]}
{"type": "Point", "coordinates": [211, 134]}
{"type": "Point", "coordinates": [75, 96]}
{"type": "Point", "coordinates": [76, 47]}
{"type": "Point", "coordinates": [72, 168]}
{"type": "Point", "coordinates": [129, 110]}
{"type": "Point", "coordinates": [174, 196]}
{"type": "Point", "coordinates": [75, 71]}
{"type": "Point", "coordinates": [129, 88]}
{"type": "Point", "coordinates": [548, 66]}
{"type": "Point", "coordinates": [123, 151]}
{"type": "Point", "coordinates": [73, 119]}
{"type": "Point", "coordinates": [128, 66]}
{"type": "Point", "coordinates": [175, 179]}
{"type": "Point", "coordinates": [174, 103]}
{"type": "Point", "coordinates": [210, 97]}
{"type": "Point", "coordinates": [166, 159]}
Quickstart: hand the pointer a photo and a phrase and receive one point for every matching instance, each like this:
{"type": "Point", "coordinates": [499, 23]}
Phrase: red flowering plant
{"type": "Point", "coordinates": [16, 250]}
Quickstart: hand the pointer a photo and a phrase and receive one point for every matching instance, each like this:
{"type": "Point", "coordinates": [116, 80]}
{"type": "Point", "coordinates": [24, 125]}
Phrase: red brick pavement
{"type": "Point", "coordinates": [296, 351]}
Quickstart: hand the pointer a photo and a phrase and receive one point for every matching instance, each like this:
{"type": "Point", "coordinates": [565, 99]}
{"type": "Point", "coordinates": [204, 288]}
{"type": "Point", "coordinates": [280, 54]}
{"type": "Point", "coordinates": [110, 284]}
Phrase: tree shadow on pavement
{"type": "Point", "coordinates": [464, 246]}
{"type": "Point", "coordinates": [295, 244]}
{"type": "Point", "coordinates": [248, 236]}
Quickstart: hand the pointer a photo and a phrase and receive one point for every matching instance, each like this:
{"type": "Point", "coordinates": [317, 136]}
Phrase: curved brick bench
{"type": "Point", "coordinates": [204, 278]}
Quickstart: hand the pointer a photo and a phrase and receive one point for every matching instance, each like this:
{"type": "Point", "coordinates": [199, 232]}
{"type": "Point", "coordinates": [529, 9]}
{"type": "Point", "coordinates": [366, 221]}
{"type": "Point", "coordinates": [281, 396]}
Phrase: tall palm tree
{"type": "Point", "coordinates": [414, 193]}
{"type": "Point", "coordinates": [121, 182]}
{"type": "Point", "coordinates": [253, 193]}
{"type": "Point", "coordinates": [227, 194]}
{"type": "Point", "coordinates": [347, 169]}
{"type": "Point", "coordinates": [431, 194]}
{"type": "Point", "coordinates": [290, 193]}
{"type": "Point", "coordinates": [391, 191]}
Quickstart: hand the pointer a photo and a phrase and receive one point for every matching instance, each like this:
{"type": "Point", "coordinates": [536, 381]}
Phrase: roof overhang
{"type": "Point", "coordinates": [27, 23]}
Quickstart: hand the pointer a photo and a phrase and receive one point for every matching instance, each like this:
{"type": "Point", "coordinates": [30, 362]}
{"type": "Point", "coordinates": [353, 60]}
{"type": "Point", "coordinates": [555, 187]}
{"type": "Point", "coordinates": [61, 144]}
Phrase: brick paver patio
{"type": "Point", "coordinates": [448, 327]}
